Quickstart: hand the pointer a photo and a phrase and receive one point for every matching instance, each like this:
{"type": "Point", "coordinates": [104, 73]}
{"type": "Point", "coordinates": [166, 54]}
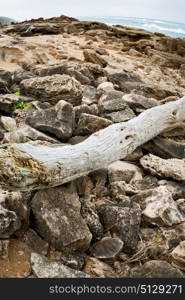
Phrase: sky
{"type": "Point", "coordinates": [171, 10]}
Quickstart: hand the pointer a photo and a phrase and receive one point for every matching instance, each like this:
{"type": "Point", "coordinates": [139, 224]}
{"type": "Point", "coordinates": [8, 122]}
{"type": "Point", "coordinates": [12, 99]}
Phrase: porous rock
{"type": "Point", "coordinates": [57, 120]}
{"type": "Point", "coordinates": [57, 219]}
{"type": "Point", "coordinates": [53, 88]}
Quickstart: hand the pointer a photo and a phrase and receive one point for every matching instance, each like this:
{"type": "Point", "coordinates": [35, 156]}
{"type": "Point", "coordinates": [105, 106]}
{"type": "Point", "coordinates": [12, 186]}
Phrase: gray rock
{"type": "Point", "coordinates": [90, 215]}
{"type": "Point", "coordinates": [35, 243]}
{"type": "Point", "coordinates": [95, 58]}
{"type": "Point", "coordinates": [21, 74]}
{"type": "Point", "coordinates": [122, 219]}
{"type": "Point", "coordinates": [57, 219]}
{"type": "Point", "coordinates": [57, 120]}
{"type": "Point", "coordinates": [43, 268]}
{"type": "Point", "coordinates": [171, 168]}
{"type": "Point", "coordinates": [9, 222]}
{"type": "Point", "coordinates": [53, 88]}
{"type": "Point", "coordinates": [5, 80]}
{"type": "Point", "coordinates": [112, 102]}
{"type": "Point", "coordinates": [122, 78]}
{"type": "Point", "coordinates": [124, 171]}
{"type": "Point", "coordinates": [159, 207]}
{"type": "Point", "coordinates": [84, 108]}
{"type": "Point", "coordinates": [139, 102]}
{"type": "Point", "coordinates": [88, 124]}
{"type": "Point", "coordinates": [166, 148]}
{"type": "Point", "coordinates": [121, 116]}
{"type": "Point", "coordinates": [107, 248]}
{"type": "Point", "coordinates": [26, 134]}
{"type": "Point", "coordinates": [155, 269]}
{"type": "Point", "coordinates": [9, 124]}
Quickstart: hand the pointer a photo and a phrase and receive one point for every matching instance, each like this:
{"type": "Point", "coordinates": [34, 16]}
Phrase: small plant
{"type": "Point", "coordinates": [19, 105]}
{"type": "Point", "coordinates": [17, 93]}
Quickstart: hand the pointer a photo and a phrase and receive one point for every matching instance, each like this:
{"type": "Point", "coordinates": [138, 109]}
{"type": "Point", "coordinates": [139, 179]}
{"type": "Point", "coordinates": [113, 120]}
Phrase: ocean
{"type": "Point", "coordinates": [166, 27]}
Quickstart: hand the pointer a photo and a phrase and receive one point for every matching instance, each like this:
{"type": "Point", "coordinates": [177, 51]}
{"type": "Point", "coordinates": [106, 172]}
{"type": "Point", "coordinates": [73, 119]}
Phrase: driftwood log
{"type": "Point", "coordinates": [28, 167]}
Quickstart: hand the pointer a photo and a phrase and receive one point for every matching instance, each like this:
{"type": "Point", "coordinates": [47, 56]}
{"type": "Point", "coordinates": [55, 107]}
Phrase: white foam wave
{"type": "Point", "coordinates": [176, 30]}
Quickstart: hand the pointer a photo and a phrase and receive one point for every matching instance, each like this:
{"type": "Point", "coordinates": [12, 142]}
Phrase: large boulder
{"type": "Point", "coordinates": [57, 120]}
{"type": "Point", "coordinates": [57, 219]}
{"type": "Point", "coordinates": [53, 88]}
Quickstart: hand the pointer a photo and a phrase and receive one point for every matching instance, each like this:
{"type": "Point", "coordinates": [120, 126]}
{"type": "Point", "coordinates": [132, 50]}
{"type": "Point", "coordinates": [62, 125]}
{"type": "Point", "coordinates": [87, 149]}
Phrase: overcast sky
{"type": "Point", "coordinates": [173, 10]}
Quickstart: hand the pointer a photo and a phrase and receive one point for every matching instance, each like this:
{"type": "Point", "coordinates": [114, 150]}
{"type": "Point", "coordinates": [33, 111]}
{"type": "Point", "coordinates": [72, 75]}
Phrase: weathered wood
{"type": "Point", "coordinates": [28, 167]}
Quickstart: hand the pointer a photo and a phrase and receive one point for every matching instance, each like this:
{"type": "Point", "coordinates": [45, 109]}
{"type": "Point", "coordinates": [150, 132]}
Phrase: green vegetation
{"type": "Point", "coordinates": [17, 93]}
{"type": "Point", "coordinates": [19, 105]}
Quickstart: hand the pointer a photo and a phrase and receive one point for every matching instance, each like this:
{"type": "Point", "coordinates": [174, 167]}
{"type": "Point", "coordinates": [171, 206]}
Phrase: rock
{"type": "Point", "coordinates": [95, 58]}
{"type": "Point", "coordinates": [57, 219]}
{"type": "Point", "coordinates": [9, 124]}
{"type": "Point", "coordinates": [122, 188]}
{"type": "Point", "coordinates": [53, 88]}
{"type": "Point", "coordinates": [135, 155]}
{"type": "Point", "coordinates": [57, 120]}
{"type": "Point", "coordinates": [140, 102]}
{"type": "Point", "coordinates": [85, 73]}
{"type": "Point", "coordinates": [88, 124]}
{"type": "Point", "coordinates": [4, 247]}
{"type": "Point", "coordinates": [122, 78]}
{"type": "Point", "coordinates": [5, 80]}
{"type": "Point", "coordinates": [178, 256]}
{"type": "Point", "coordinates": [9, 222]}
{"type": "Point", "coordinates": [121, 116]}
{"type": "Point", "coordinates": [84, 108]}
{"type": "Point", "coordinates": [90, 95]}
{"type": "Point", "coordinates": [17, 265]}
{"type": "Point", "coordinates": [26, 134]}
{"type": "Point", "coordinates": [35, 243]}
{"type": "Point", "coordinates": [21, 74]}
{"type": "Point", "coordinates": [43, 268]}
{"type": "Point", "coordinates": [124, 171]}
{"type": "Point", "coordinates": [111, 102]}
{"type": "Point", "coordinates": [155, 269]}
{"type": "Point", "coordinates": [123, 220]}
{"type": "Point", "coordinates": [8, 101]}
{"type": "Point", "coordinates": [75, 261]}
{"type": "Point", "coordinates": [105, 87]}
{"type": "Point", "coordinates": [171, 168]}
{"type": "Point", "coordinates": [166, 148]}
{"type": "Point", "coordinates": [174, 235]}
{"type": "Point", "coordinates": [177, 189]}
{"type": "Point", "coordinates": [90, 215]}
{"type": "Point", "coordinates": [97, 268]}
{"type": "Point", "coordinates": [159, 207]}
{"type": "Point", "coordinates": [107, 248]}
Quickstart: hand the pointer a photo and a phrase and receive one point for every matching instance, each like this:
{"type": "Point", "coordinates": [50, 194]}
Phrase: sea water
{"type": "Point", "coordinates": [166, 27]}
